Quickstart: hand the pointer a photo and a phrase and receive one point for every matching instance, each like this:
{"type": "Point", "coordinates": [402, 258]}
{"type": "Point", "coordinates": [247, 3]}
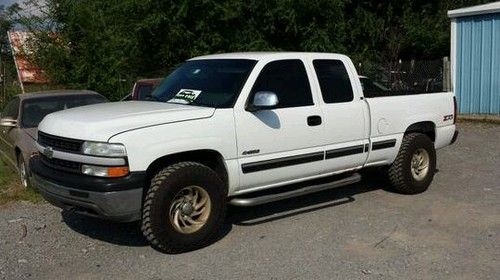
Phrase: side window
{"type": "Point", "coordinates": [333, 80]}
{"type": "Point", "coordinates": [12, 109]}
{"type": "Point", "coordinates": [288, 79]}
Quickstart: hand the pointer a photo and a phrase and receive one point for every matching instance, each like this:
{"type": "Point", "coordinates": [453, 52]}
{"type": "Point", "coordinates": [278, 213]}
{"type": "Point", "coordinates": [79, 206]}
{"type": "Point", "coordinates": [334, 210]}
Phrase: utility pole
{"type": "Point", "coordinates": [12, 47]}
{"type": "Point", "coordinates": [2, 78]}
{"type": "Point", "coordinates": [2, 75]}
{"type": "Point", "coordinates": [446, 74]}
{"type": "Point", "coordinates": [4, 88]}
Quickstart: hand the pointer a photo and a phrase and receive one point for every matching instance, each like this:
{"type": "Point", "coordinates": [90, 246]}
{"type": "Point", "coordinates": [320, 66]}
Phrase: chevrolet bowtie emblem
{"type": "Point", "coordinates": [48, 152]}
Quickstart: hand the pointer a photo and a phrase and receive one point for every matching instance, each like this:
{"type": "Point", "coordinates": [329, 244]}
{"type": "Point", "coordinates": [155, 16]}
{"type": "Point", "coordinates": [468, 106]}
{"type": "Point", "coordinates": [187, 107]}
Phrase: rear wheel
{"type": "Point", "coordinates": [184, 208]}
{"type": "Point", "coordinates": [23, 171]}
{"type": "Point", "coordinates": [413, 169]}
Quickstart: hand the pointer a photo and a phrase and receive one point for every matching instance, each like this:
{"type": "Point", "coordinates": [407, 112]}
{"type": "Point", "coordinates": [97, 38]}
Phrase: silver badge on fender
{"type": "Point", "coordinates": [48, 152]}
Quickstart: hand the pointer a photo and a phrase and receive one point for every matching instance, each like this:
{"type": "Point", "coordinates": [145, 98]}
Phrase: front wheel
{"type": "Point", "coordinates": [413, 169]}
{"type": "Point", "coordinates": [184, 208]}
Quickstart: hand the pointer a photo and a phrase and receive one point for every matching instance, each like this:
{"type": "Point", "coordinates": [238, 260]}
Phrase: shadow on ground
{"type": "Point", "coordinates": [129, 234]}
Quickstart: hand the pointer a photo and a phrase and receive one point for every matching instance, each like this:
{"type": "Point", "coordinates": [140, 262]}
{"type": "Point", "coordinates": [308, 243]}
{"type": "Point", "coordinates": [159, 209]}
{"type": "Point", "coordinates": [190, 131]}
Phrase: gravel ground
{"type": "Point", "coordinates": [452, 231]}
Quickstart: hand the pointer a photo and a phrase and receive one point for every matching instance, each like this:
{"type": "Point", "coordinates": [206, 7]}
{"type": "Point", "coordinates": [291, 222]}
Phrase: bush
{"type": "Point", "coordinates": [107, 45]}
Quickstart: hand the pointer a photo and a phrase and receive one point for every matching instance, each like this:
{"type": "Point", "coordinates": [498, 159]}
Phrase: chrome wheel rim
{"type": "Point", "coordinates": [24, 179]}
{"type": "Point", "coordinates": [420, 164]}
{"type": "Point", "coordinates": [190, 209]}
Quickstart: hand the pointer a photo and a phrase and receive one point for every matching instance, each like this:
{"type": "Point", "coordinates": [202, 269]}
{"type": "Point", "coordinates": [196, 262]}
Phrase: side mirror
{"type": "Point", "coordinates": [8, 122]}
{"type": "Point", "coordinates": [263, 100]}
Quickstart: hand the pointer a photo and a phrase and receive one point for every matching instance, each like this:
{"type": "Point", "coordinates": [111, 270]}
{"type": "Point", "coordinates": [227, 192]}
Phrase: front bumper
{"type": "Point", "coordinates": [115, 205]}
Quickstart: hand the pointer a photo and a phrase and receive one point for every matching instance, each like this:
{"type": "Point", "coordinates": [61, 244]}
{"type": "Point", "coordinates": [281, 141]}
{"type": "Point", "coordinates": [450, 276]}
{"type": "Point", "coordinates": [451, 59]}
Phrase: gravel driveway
{"type": "Point", "coordinates": [356, 232]}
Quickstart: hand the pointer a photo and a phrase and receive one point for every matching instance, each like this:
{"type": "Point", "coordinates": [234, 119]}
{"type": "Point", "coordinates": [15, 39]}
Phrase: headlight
{"type": "Point", "coordinates": [103, 149]}
{"type": "Point", "coordinates": [105, 171]}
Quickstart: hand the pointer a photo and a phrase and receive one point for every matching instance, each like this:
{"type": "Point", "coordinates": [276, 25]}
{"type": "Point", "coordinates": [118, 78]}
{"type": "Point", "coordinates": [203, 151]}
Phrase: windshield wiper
{"type": "Point", "coordinates": [192, 103]}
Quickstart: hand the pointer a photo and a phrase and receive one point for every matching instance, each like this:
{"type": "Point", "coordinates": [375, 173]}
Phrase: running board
{"type": "Point", "coordinates": [252, 201]}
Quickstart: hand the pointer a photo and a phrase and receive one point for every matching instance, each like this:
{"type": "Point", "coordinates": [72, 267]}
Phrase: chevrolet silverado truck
{"type": "Point", "coordinates": [239, 128]}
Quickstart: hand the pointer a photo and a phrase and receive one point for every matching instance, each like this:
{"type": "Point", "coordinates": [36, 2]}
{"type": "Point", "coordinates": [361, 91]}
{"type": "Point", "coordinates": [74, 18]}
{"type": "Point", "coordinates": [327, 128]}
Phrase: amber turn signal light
{"type": "Point", "coordinates": [105, 171]}
{"type": "Point", "coordinates": [119, 171]}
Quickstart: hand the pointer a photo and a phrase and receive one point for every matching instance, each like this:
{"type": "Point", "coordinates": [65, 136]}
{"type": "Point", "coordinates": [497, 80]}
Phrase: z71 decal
{"type": "Point", "coordinates": [447, 118]}
{"type": "Point", "coordinates": [251, 152]}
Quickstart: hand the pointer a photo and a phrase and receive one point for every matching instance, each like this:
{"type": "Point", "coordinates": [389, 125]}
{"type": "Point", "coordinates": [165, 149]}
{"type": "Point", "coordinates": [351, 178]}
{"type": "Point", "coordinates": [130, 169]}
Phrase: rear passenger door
{"type": "Point", "coordinates": [281, 143]}
{"type": "Point", "coordinates": [345, 115]}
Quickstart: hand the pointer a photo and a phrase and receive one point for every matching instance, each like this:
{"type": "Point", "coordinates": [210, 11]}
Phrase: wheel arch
{"type": "Point", "coordinates": [211, 158]}
{"type": "Point", "coordinates": [425, 127]}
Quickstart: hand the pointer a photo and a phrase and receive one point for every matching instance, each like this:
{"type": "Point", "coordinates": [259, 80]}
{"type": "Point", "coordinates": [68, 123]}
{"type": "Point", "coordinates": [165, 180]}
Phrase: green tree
{"type": "Point", "coordinates": [107, 45]}
{"type": "Point", "coordinates": [7, 70]}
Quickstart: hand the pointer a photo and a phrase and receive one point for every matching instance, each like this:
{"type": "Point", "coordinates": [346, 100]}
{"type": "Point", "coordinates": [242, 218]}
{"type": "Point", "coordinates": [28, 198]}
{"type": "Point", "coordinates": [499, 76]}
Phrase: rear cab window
{"type": "Point", "coordinates": [144, 91]}
{"type": "Point", "coordinates": [334, 80]}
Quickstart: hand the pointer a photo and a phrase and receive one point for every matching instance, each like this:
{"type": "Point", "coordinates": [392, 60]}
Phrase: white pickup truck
{"type": "Point", "coordinates": [236, 128]}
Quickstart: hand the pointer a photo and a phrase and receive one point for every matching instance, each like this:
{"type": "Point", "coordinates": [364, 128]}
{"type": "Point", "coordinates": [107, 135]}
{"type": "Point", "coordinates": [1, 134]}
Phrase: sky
{"type": "Point", "coordinates": [8, 2]}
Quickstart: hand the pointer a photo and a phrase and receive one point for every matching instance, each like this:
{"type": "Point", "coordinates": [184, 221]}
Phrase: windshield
{"type": "Point", "coordinates": [209, 82]}
{"type": "Point", "coordinates": [34, 110]}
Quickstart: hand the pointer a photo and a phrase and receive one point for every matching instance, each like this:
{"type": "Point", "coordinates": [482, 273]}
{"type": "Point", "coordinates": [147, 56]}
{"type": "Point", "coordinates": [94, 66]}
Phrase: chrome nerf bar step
{"type": "Point", "coordinates": [266, 198]}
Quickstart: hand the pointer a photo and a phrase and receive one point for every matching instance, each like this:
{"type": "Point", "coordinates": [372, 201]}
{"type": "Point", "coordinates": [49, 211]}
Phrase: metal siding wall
{"type": "Point", "coordinates": [478, 64]}
{"type": "Point", "coordinates": [495, 73]}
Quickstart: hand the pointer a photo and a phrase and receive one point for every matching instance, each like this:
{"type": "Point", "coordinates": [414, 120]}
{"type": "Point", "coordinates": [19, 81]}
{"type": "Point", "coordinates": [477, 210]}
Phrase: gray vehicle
{"type": "Point", "coordinates": [21, 116]}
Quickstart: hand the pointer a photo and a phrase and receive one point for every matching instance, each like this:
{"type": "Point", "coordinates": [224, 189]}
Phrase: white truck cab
{"type": "Point", "coordinates": [229, 128]}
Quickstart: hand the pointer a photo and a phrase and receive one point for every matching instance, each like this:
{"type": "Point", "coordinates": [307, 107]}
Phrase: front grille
{"type": "Point", "coordinates": [62, 164]}
{"type": "Point", "coordinates": [59, 143]}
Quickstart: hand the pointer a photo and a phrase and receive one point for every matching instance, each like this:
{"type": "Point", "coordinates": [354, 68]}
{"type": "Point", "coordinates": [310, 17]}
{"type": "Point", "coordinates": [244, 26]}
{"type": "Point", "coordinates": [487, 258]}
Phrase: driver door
{"type": "Point", "coordinates": [283, 142]}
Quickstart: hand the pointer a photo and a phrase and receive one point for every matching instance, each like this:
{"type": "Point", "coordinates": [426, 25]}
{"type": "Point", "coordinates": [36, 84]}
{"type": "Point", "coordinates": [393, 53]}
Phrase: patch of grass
{"type": "Point", "coordinates": [11, 188]}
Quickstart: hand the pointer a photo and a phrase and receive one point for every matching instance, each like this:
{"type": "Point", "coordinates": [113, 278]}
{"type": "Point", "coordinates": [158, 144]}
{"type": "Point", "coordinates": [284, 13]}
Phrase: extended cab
{"type": "Point", "coordinates": [237, 128]}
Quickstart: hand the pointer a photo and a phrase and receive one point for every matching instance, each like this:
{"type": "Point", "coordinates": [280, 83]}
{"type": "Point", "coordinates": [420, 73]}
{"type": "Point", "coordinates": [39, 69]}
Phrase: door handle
{"type": "Point", "coordinates": [313, 120]}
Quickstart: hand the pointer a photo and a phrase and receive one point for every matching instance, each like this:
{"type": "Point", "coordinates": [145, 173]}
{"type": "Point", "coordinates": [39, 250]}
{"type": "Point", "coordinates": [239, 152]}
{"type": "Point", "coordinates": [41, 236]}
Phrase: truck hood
{"type": "Point", "coordinates": [100, 122]}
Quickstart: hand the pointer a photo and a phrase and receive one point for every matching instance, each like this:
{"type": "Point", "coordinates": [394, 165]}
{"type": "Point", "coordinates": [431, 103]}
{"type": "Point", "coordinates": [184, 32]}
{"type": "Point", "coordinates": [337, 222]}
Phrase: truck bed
{"type": "Point", "coordinates": [390, 117]}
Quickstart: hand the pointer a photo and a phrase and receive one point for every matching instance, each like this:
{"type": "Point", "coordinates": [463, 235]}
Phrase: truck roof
{"type": "Point", "coordinates": [154, 81]}
{"type": "Point", "coordinates": [263, 55]}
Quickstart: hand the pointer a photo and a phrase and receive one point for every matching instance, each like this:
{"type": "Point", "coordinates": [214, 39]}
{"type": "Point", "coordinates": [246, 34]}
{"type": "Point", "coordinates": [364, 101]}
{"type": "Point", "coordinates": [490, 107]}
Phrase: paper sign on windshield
{"type": "Point", "coordinates": [186, 96]}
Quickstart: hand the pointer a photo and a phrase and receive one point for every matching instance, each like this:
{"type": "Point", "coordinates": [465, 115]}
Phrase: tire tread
{"type": "Point", "coordinates": [147, 212]}
{"type": "Point", "coordinates": [396, 174]}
